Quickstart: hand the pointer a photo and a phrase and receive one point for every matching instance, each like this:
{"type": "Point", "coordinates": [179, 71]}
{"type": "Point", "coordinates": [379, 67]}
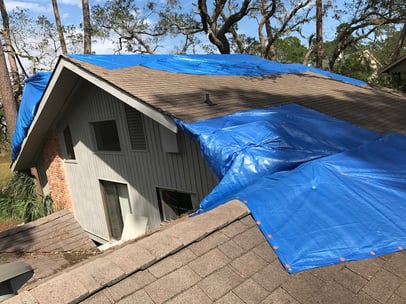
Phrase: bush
{"type": "Point", "coordinates": [19, 199]}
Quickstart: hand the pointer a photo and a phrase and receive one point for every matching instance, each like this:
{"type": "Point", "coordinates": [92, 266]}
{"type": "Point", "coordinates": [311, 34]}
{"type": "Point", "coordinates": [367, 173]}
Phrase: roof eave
{"type": "Point", "coordinates": [391, 65]}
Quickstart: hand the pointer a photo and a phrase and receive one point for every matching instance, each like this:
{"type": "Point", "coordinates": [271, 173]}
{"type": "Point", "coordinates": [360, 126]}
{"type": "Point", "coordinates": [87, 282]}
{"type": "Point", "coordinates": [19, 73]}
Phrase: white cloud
{"type": "Point", "coordinates": [77, 3]}
{"type": "Point", "coordinates": [35, 7]}
{"type": "Point", "coordinates": [104, 46]}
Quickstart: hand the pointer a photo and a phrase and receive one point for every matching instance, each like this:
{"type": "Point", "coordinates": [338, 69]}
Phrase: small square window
{"type": "Point", "coordinates": [106, 135]}
{"type": "Point", "coordinates": [70, 152]}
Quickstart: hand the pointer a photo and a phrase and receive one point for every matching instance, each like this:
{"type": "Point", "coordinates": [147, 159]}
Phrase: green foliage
{"type": "Point", "coordinates": [19, 200]}
{"type": "Point", "coordinates": [363, 60]}
{"type": "Point", "coordinates": [131, 24]}
{"type": "Point", "coordinates": [384, 44]}
{"type": "Point", "coordinates": [289, 50]}
{"type": "Point", "coordinates": [354, 66]}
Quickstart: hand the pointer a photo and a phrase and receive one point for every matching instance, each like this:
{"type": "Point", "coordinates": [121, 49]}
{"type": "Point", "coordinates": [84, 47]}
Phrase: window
{"type": "Point", "coordinates": [70, 153]}
{"type": "Point", "coordinates": [135, 128]}
{"type": "Point", "coordinates": [117, 206]}
{"type": "Point", "coordinates": [173, 204]}
{"type": "Point", "coordinates": [106, 135]}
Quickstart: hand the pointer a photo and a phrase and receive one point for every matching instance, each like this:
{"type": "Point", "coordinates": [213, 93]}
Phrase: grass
{"type": "Point", "coordinates": [8, 223]}
{"type": "Point", "coordinates": [5, 176]}
{"type": "Point", "coordinates": [5, 172]}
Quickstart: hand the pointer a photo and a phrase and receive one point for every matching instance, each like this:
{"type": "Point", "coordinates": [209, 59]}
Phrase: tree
{"type": "Point", "coordinates": [33, 40]}
{"type": "Point", "coordinates": [357, 65]}
{"type": "Point", "coordinates": [59, 27]}
{"type": "Point", "coordinates": [289, 16]}
{"type": "Point", "coordinates": [399, 44]}
{"type": "Point", "coordinates": [364, 18]}
{"type": "Point", "coordinates": [289, 50]}
{"type": "Point", "coordinates": [310, 50]}
{"type": "Point", "coordinates": [4, 138]}
{"type": "Point", "coordinates": [175, 22]}
{"type": "Point", "coordinates": [319, 34]}
{"type": "Point", "coordinates": [222, 21]}
{"type": "Point", "coordinates": [129, 24]}
{"type": "Point", "coordinates": [384, 44]}
{"type": "Point", "coordinates": [36, 40]}
{"type": "Point", "coordinates": [16, 84]}
{"type": "Point", "coordinates": [7, 96]}
{"type": "Point", "coordinates": [87, 48]}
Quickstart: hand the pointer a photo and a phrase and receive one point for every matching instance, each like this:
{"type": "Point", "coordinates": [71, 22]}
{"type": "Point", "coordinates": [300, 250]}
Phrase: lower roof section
{"type": "Point", "coordinates": [219, 256]}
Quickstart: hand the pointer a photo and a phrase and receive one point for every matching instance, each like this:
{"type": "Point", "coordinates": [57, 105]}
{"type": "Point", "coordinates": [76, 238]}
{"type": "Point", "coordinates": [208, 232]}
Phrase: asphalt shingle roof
{"type": "Point", "coordinates": [218, 257]}
{"type": "Point", "coordinates": [183, 95]}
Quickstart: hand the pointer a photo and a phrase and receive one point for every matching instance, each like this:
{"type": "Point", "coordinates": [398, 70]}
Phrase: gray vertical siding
{"type": "Point", "coordinates": [142, 171]}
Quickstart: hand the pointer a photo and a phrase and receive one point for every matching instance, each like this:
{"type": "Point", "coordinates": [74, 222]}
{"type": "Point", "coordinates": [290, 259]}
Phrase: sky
{"type": "Point", "coordinates": [71, 13]}
{"type": "Point", "coordinates": [70, 10]}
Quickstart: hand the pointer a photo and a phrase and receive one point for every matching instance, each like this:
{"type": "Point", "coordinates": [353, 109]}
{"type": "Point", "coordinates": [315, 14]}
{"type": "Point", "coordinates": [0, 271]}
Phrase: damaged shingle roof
{"type": "Point", "coordinates": [183, 95]}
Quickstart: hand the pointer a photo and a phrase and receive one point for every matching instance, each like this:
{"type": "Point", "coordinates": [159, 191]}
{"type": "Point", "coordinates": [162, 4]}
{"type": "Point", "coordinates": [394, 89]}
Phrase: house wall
{"type": "Point", "coordinates": [141, 171]}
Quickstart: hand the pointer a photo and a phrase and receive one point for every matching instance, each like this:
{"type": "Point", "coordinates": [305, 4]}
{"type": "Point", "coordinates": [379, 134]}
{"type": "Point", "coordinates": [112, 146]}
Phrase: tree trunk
{"type": "Point", "coordinates": [7, 97]}
{"type": "Point", "coordinates": [270, 52]}
{"type": "Point", "coordinates": [211, 26]}
{"type": "Point", "coordinates": [86, 28]}
{"type": "Point", "coordinates": [310, 50]}
{"type": "Point", "coordinates": [59, 27]}
{"type": "Point", "coordinates": [16, 86]}
{"type": "Point", "coordinates": [319, 34]}
{"type": "Point", "coordinates": [399, 44]}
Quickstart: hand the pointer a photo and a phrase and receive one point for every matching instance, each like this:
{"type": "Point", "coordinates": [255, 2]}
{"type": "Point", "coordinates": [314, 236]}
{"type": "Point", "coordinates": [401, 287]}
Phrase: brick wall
{"type": "Point", "coordinates": [55, 172]}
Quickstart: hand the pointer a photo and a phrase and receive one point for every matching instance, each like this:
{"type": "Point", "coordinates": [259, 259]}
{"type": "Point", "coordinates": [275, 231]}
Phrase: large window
{"type": "Point", "coordinates": [174, 203]}
{"type": "Point", "coordinates": [70, 153]}
{"type": "Point", "coordinates": [135, 128]}
{"type": "Point", "coordinates": [106, 135]}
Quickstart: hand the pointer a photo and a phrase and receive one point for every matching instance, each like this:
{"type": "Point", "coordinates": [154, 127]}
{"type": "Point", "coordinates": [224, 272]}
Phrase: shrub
{"type": "Point", "coordinates": [19, 199]}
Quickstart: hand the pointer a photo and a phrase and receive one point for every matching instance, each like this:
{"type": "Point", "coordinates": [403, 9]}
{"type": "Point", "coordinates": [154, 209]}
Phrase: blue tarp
{"type": "Point", "coordinates": [33, 90]}
{"type": "Point", "coordinates": [343, 207]}
{"type": "Point", "coordinates": [322, 190]}
{"type": "Point", "coordinates": [247, 145]}
{"type": "Point", "coordinates": [214, 64]}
